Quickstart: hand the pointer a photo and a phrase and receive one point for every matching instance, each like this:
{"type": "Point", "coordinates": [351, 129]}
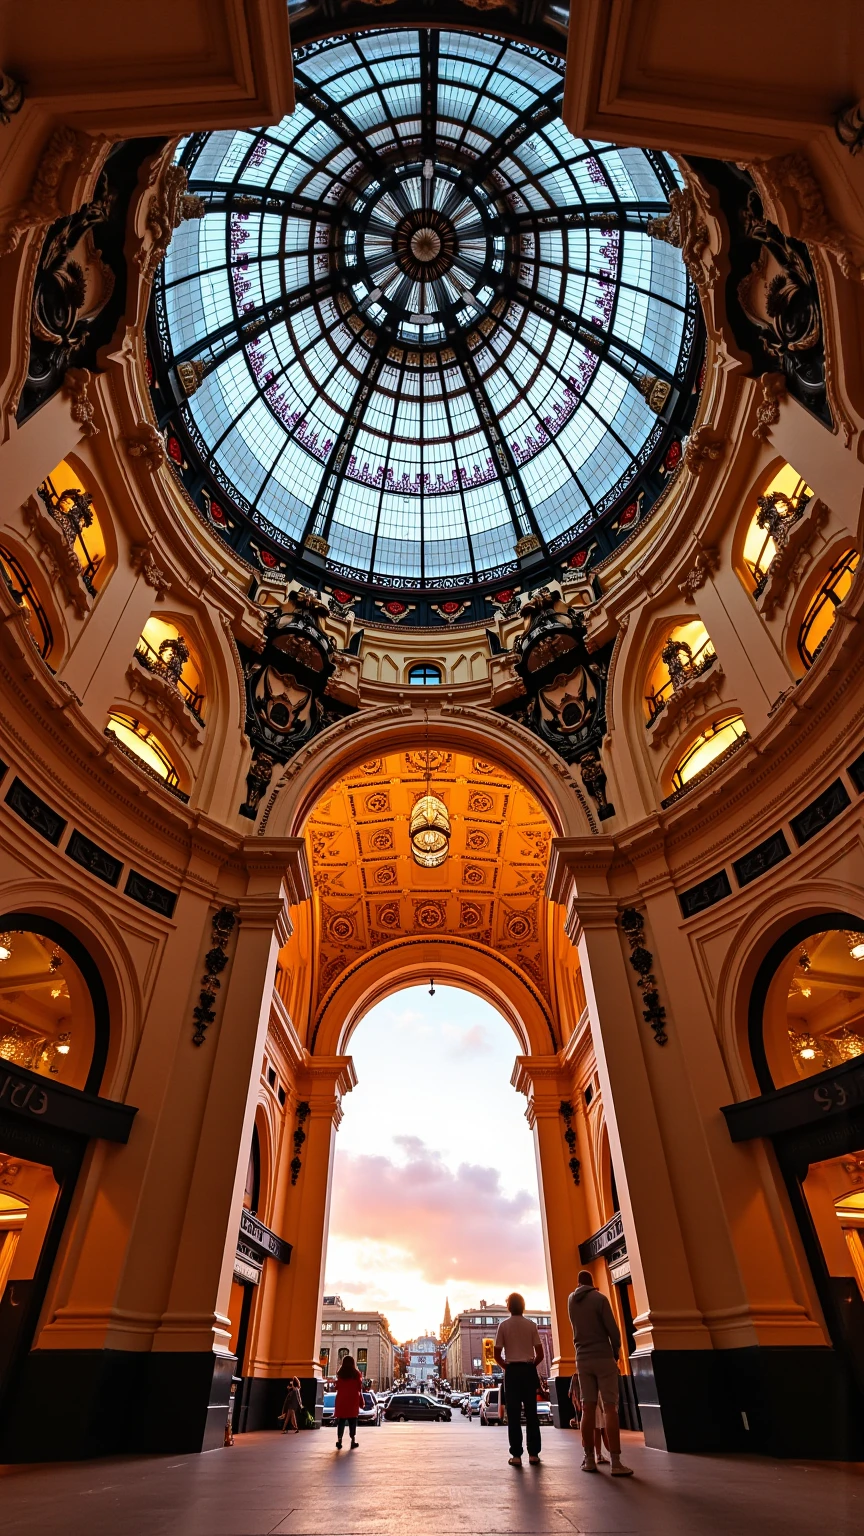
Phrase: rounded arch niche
{"type": "Point", "coordinates": [382, 922]}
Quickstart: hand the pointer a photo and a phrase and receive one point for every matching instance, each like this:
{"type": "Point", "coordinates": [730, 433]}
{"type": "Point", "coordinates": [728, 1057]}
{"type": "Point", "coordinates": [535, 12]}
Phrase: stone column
{"type": "Point", "coordinates": [566, 1220]}
{"type": "Point", "coordinates": [298, 1288]}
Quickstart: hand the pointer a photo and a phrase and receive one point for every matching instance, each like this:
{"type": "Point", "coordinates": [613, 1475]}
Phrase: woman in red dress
{"type": "Point", "coordinates": [349, 1400]}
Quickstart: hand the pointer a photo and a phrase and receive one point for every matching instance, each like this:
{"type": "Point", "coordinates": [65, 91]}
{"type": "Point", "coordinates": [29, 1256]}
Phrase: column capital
{"type": "Point", "coordinates": [581, 863]}
{"type": "Point", "coordinates": [545, 1082]}
{"type": "Point", "coordinates": [322, 1081]}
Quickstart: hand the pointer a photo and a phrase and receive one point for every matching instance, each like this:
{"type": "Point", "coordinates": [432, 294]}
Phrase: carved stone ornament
{"type": "Point", "coordinates": [527, 545]}
{"type": "Point", "coordinates": [286, 683]}
{"type": "Point", "coordinates": [257, 782]}
{"type": "Point", "coordinates": [215, 961]}
{"type": "Point", "coordinates": [632, 924]}
{"type": "Point", "coordinates": [794, 173]}
{"type": "Point", "coordinates": [316, 545]}
{"type": "Point", "coordinates": [76, 383]}
{"type": "Point", "coordinates": [655, 390]}
{"type": "Point", "coordinates": [684, 226]}
{"type": "Point", "coordinates": [191, 375]}
{"type": "Point", "coordinates": [564, 700]}
{"type": "Point", "coordinates": [142, 561]}
{"type": "Point", "coordinates": [706, 563]}
{"type": "Point", "coordinates": [169, 206]}
{"type": "Point", "coordinates": [849, 128]}
{"type": "Point", "coordinates": [594, 779]}
{"type": "Point", "coordinates": [11, 97]}
{"type": "Point", "coordinates": [146, 445]}
{"type": "Point", "coordinates": [567, 1112]}
{"type": "Point", "coordinates": [704, 446]}
{"type": "Point", "coordinates": [768, 410]}
{"type": "Point", "coordinates": [41, 208]}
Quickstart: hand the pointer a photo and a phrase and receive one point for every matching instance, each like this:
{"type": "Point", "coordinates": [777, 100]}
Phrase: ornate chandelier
{"type": "Point", "coordinates": [429, 827]}
{"type": "Point", "coordinates": [429, 831]}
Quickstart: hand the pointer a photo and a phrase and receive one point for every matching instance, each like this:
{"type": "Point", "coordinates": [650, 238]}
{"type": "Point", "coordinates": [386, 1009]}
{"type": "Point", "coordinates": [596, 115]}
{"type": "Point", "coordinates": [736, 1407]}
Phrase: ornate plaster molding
{"type": "Point", "coordinates": [685, 227]}
{"type": "Point", "coordinates": [789, 183]}
{"type": "Point", "coordinates": [706, 563]}
{"type": "Point", "coordinates": [170, 204]}
{"type": "Point", "coordinates": [768, 410]}
{"type": "Point", "coordinates": [792, 558]}
{"type": "Point", "coordinates": [76, 384]}
{"type": "Point", "coordinates": [142, 561]}
{"type": "Point", "coordinates": [685, 704]}
{"type": "Point", "coordinates": [165, 702]}
{"type": "Point", "coordinates": [145, 444]}
{"type": "Point", "coordinates": [42, 206]}
{"type": "Point", "coordinates": [704, 446]}
{"type": "Point", "coordinates": [57, 555]}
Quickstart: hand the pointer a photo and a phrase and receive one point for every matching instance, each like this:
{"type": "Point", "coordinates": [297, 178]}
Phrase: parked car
{"type": "Point", "coordinates": [327, 1412]}
{"type": "Point", "coordinates": [416, 1405]}
{"type": "Point", "coordinates": [492, 1406]}
{"type": "Point", "coordinates": [370, 1413]}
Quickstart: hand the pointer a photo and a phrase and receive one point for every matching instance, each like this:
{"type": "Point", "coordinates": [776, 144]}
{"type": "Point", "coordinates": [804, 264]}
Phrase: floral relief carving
{"type": "Point", "coordinates": [76, 384]}
{"type": "Point", "coordinates": [145, 444]}
{"type": "Point", "coordinates": [684, 226]}
{"type": "Point", "coordinates": [768, 410]}
{"type": "Point", "coordinates": [42, 207]}
{"type": "Point", "coordinates": [706, 563]}
{"type": "Point", "coordinates": [704, 446]}
{"type": "Point", "coordinates": [170, 204]}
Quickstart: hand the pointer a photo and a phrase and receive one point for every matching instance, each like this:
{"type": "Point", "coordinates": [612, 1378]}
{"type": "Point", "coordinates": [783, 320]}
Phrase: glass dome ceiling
{"type": "Point", "coordinates": [419, 310]}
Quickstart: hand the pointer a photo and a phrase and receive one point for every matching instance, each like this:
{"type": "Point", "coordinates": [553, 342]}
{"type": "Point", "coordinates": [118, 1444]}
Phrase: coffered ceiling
{"type": "Point", "coordinates": [369, 890]}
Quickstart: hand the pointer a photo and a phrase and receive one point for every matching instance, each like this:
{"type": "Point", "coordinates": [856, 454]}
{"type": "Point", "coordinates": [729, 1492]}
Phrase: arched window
{"type": "Point", "coordinates": [53, 1009]}
{"type": "Point", "coordinates": [26, 596]}
{"type": "Point", "coordinates": [707, 748]}
{"type": "Point", "coordinates": [164, 650]}
{"type": "Point", "coordinates": [820, 616]}
{"type": "Point", "coordinates": [425, 674]}
{"type": "Point", "coordinates": [136, 737]}
{"type": "Point", "coordinates": [72, 508]}
{"type": "Point", "coordinates": [687, 652]}
{"type": "Point", "coordinates": [252, 1192]}
{"type": "Point", "coordinates": [781, 504]}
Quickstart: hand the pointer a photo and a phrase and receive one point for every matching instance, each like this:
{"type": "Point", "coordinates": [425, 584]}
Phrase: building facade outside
{"type": "Point", "coordinates": [469, 1353]}
{"type": "Point", "coordinates": [423, 1355]}
{"type": "Point", "coordinates": [365, 1335]}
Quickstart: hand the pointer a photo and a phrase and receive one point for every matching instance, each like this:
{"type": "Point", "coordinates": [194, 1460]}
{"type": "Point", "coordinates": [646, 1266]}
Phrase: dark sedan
{"type": "Point", "coordinates": [416, 1405]}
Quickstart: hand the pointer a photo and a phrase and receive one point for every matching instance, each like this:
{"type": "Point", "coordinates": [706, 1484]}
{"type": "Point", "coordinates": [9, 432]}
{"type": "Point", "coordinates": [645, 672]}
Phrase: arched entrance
{"type": "Point", "coordinates": [378, 922]}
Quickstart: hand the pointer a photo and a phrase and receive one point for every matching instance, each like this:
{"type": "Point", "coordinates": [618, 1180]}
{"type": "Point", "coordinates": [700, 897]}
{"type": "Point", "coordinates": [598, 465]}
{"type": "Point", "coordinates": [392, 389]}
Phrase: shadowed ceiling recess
{"type": "Point", "coordinates": [419, 310]}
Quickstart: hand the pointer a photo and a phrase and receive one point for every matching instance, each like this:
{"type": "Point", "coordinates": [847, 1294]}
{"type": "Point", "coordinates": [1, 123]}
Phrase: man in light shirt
{"type": "Point", "coordinates": [519, 1350]}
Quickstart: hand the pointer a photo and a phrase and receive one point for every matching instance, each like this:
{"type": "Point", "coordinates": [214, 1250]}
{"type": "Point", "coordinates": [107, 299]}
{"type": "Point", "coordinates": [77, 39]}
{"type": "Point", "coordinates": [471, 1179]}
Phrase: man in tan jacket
{"type": "Point", "coordinates": [598, 1343]}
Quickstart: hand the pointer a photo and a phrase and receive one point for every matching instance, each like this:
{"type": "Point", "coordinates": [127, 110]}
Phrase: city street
{"type": "Point", "coordinates": [428, 1480]}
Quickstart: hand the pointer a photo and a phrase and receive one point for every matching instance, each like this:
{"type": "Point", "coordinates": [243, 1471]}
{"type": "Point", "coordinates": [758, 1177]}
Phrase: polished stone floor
{"type": "Point", "coordinates": [428, 1480]}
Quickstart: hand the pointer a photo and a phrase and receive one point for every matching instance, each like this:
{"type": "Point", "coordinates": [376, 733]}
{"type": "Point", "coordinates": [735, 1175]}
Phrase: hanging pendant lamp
{"type": "Point", "coordinates": [429, 827]}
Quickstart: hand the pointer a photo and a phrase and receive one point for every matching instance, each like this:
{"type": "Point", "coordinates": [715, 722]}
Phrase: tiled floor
{"type": "Point", "coordinates": [428, 1480]}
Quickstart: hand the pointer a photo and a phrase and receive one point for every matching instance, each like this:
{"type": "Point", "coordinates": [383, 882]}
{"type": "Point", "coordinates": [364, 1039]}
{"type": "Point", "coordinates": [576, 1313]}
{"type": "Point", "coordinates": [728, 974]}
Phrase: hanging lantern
{"type": "Point", "coordinates": [429, 831]}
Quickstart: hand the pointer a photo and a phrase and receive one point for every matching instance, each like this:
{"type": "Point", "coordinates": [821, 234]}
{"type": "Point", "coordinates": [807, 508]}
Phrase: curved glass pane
{"type": "Point", "coordinates": [420, 309]}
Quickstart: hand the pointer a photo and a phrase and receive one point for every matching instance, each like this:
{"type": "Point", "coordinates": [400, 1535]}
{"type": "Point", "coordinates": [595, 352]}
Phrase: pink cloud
{"type": "Point", "coordinates": [448, 1225]}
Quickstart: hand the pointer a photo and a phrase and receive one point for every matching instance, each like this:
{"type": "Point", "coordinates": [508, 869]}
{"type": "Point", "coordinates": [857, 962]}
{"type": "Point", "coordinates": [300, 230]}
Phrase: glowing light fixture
{"type": "Point", "coordinates": [856, 945]}
{"type": "Point", "coordinates": [429, 827]}
{"type": "Point", "coordinates": [429, 831]}
{"type": "Point", "coordinates": [5, 946]}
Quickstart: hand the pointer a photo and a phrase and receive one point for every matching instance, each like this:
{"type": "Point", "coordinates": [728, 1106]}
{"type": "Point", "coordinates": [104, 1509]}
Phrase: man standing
{"type": "Point", "coordinates": [519, 1350]}
{"type": "Point", "coordinates": [598, 1342]}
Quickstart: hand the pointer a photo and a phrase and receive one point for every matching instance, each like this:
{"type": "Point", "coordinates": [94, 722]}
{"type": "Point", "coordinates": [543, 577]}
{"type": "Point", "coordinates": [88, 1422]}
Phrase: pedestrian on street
{"type": "Point", "coordinates": [598, 1343]}
{"type": "Point", "coordinates": [519, 1350]}
{"type": "Point", "coordinates": [292, 1407]}
{"type": "Point", "coordinates": [349, 1400]}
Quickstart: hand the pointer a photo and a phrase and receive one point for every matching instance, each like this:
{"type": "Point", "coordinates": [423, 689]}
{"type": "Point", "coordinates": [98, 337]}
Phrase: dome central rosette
{"type": "Point", "coordinates": [413, 329]}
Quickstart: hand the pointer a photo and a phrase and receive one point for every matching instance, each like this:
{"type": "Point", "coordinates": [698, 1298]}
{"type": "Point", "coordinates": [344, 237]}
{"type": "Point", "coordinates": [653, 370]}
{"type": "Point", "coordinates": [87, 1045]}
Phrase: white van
{"type": "Point", "coordinates": [492, 1406]}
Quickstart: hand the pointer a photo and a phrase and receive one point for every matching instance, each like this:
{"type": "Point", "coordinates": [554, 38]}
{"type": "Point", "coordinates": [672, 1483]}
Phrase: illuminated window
{"type": "Point", "coordinates": [164, 650]}
{"type": "Point", "coordinates": [822, 612]}
{"type": "Point", "coordinates": [425, 673]}
{"type": "Point", "coordinates": [363, 1326]}
{"type": "Point", "coordinates": [136, 736]}
{"type": "Point", "coordinates": [72, 506]}
{"type": "Point", "coordinates": [25, 595]}
{"type": "Point", "coordinates": [713, 742]}
{"type": "Point", "coordinates": [326, 1327]}
{"type": "Point", "coordinates": [784, 498]}
{"type": "Point", "coordinates": [687, 652]}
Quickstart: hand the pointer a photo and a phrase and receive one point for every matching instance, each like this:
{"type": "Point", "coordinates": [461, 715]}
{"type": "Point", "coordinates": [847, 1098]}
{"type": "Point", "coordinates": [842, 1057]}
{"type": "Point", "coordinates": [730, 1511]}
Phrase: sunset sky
{"type": "Point", "coordinates": [435, 1185]}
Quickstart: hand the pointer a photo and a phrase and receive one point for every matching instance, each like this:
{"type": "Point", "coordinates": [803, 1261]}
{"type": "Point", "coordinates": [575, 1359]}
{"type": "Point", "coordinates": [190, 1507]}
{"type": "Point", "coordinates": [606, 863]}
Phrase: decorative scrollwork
{"type": "Point", "coordinates": [215, 961]}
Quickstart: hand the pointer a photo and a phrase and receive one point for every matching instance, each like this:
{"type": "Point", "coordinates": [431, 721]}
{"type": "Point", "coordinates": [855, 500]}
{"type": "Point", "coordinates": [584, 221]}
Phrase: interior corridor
{"type": "Point", "coordinates": [448, 1479]}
